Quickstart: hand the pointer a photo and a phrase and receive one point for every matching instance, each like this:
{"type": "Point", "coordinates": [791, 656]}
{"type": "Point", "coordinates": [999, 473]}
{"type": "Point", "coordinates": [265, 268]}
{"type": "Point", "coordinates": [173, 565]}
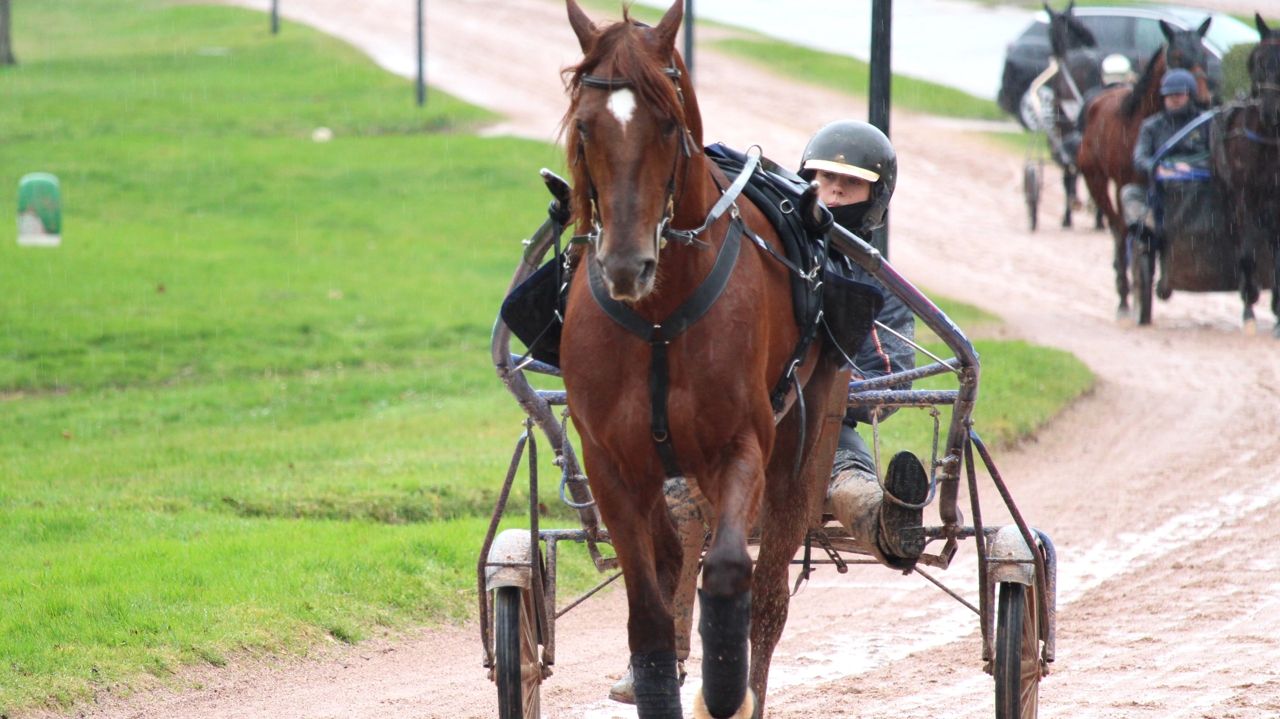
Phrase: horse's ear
{"type": "Point", "coordinates": [1263, 30]}
{"type": "Point", "coordinates": [1204, 26]}
{"type": "Point", "coordinates": [665, 32]}
{"type": "Point", "coordinates": [1082, 33]}
{"type": "Point", "coordinates": [1070, 6]}
{"type": "Point", "coordinates": [1168, 30]}
{"type": "Point", "coordinates": [582, 27]}
{"type": "Point", "coordinates": [1047, 8]}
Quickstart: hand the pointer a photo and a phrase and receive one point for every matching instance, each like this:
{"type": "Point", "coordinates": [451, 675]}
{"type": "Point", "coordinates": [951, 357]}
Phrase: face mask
{"type": "Point", "coordinates": [1183, 112]}
{"type": "Point", "coordinates": [850, 216]}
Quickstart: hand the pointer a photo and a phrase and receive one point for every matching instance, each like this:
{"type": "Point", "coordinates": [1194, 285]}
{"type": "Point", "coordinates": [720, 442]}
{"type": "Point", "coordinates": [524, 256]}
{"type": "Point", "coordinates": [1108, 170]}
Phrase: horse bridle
{"type": "Point", "coordinates": [664, 229]}
{"type": "Point", "coordinates": [1272, 86]}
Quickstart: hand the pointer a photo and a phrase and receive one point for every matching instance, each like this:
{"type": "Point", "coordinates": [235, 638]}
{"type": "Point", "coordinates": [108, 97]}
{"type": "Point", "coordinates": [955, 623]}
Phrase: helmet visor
{"type": "Point", "coordinates": [841, 168]}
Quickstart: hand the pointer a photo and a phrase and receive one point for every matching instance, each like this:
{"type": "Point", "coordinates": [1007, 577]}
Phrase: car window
{"type": "Point", "coordinates": [1036, 31]}
{"type": "Point", "coordinates": [1112, 33]}
{"type": "Point", "coordinates": [1147, 36]}
{"type": "Point", "coordinates": [1225, 32]}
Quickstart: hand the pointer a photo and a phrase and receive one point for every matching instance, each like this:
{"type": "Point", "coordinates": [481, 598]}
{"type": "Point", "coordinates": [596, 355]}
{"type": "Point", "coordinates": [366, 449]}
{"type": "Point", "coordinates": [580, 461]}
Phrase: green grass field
{"type": "Point", "coordinates": [248, 403]}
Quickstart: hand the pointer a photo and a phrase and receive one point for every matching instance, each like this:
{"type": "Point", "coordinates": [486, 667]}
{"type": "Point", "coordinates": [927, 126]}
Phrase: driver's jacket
{"type": "Point", "coordinates": [1156, 130]}
{"type": "Point", "coordinates": [882, 352]}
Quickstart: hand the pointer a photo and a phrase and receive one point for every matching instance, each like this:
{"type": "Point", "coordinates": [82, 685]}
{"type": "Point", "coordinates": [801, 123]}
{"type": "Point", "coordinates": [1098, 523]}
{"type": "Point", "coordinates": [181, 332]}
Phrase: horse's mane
{"type": "Point", "coordinates": [619, 53]}
{"type": "Point", "coordinates": [1144, 85]}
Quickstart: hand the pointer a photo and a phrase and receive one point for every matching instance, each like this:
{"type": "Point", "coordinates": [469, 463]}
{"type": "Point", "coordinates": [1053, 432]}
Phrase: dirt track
{"type": "Point", "coordinates": [1157, 488]}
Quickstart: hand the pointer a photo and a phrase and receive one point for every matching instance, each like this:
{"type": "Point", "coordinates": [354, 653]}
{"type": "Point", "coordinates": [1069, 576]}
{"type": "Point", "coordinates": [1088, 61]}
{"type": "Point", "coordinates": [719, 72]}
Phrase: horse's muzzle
{"type": "Point", "coordinates": [628, 276]}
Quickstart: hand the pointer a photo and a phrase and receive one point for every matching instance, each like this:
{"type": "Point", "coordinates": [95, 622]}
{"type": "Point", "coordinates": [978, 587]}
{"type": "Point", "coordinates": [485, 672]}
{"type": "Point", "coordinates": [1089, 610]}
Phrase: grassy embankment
{"type": "Point", "coordinates": [247, 405]}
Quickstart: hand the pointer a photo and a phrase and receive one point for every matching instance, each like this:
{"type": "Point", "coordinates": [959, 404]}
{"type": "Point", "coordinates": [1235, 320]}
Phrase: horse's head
{"type": "Point", "coordinates": [1264, 73]}
{"type": "Point", "coordinates": [633, 127]}
{"type": "Point", "coordinates": [1066, 32]}
{"type": "Point", "coordinates": [1184, 50]}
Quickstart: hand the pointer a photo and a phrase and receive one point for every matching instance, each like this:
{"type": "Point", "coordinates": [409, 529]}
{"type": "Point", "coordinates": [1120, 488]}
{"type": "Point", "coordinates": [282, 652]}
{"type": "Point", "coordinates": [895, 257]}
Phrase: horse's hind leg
{"type": "Point", "coordinates": [1097, 183]}
{"type": "Point", "coordinates": [1120, 260]}
{"type": "Point", "coordinates": [1069, 187]}
{"type": "Point", "coordinates": [1249, 292]}
{"type": "Point", "coordinates": [791, 504]}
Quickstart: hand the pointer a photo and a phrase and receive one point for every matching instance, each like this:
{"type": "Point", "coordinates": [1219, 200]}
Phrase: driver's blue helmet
{"type": "Point", "coordinates": [1178, 82]}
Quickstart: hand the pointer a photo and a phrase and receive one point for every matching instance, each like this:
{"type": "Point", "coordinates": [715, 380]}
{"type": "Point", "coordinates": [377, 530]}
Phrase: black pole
{"type": "Point", "coordinates": [422, 55]}
{"type": "Point", "coordinates": [881, 80]}
{"type": "Point", "coordinates": [688, 35]}
{"type": "Point", "coordinates": [275, 17]}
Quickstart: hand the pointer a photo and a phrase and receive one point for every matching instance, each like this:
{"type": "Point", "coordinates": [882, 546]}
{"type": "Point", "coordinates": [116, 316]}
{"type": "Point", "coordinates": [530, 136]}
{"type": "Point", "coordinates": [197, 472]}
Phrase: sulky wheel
{"type": "Point", "coordinates": [518, 670]}
{"type": "Point", "coordinates": [1017, 666]}
{"type": "Point", "coordinates": [1144, 266]}
{"type": "Point", "coordinates": [1031, 191]}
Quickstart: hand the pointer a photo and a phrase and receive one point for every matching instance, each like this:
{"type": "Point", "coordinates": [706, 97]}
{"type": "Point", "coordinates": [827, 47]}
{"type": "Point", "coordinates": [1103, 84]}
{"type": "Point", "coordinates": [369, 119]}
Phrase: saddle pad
{"type": "Point", "coordinates": [530, 312]}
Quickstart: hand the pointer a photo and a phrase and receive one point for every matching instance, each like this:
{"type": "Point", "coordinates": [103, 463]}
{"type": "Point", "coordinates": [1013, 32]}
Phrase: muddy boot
{"type": "Point", "coordinates": [906, 481]}
{"type": "Point", "coordinates": [856, 500]}
{"type": "Point", "coordinates": [624, 690]}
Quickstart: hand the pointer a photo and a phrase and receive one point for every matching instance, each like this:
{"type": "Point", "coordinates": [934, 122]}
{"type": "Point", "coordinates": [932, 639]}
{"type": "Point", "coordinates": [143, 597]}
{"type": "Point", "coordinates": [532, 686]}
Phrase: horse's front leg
{"type": "Point", "coordinates": [1069, 187]}
{"type": "Point", "coordinates": [648, 551]}
{"type": "Point", "coordinates": [725, 595]}
{"type": "Point", "coordinates": [1247, 263]}
{"type": "Point", "coordinates": [1275, 275]}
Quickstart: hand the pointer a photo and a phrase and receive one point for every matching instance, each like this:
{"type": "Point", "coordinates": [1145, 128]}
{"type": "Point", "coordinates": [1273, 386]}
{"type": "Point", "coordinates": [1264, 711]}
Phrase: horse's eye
{"type": "Point", "coordinates": [669, 127]}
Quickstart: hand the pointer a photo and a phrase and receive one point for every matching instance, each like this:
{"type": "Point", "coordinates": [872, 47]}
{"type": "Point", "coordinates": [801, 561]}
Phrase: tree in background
{"type": "Point", "coordinates": [6, 37]}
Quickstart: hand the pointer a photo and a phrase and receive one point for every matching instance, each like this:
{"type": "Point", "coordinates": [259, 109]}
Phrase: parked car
{"type": "Point", "coordinates": [1130, 31]}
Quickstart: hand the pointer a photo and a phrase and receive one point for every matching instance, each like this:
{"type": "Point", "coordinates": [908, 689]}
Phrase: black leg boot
{"type": "Point", "coordinates": [657, 686]}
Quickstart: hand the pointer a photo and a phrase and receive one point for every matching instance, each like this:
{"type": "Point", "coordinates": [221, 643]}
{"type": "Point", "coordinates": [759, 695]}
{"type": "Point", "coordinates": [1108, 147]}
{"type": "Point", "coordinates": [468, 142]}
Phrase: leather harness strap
{"type": "Point", "coordinates": [659, 335]}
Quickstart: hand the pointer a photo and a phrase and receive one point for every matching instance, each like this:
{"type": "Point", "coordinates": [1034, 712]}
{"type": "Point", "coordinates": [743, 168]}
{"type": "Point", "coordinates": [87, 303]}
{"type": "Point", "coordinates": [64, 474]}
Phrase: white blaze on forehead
{"type": "Point", "coordinates": [622, 103]}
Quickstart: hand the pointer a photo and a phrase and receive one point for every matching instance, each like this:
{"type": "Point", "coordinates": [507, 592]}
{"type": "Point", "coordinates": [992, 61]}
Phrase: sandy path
{"type": "Point", "coordinates": [1159, 488]}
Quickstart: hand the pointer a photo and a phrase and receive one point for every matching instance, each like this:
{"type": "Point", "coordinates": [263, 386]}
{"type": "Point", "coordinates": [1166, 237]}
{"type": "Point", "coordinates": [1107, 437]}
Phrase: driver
{"type": "Point", "coordinates": [856, 169]}
{"type": "Point", "coordinates": [1177, 90]}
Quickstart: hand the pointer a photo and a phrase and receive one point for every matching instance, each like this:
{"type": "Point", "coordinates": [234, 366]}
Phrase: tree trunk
{"type": "Point", "coordinates": [6, 36]}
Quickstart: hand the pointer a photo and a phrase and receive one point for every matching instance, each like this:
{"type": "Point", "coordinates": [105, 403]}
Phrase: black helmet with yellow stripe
{"type": "Point", "coordinates": [858, 149]}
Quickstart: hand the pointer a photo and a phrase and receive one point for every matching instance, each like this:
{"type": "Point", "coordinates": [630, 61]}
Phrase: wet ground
{"type": "Point", "coordinates": [1160, 488]}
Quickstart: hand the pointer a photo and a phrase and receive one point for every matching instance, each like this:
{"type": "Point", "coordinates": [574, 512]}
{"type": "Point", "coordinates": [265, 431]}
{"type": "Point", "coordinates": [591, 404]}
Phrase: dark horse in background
{"type": "Point", "coordinates": [1112, 121]}
{"type": "Point", "coordinates": [1079, 72]}
{"type": "Point", "coordinates": [1245, 141]}
{"type": "Point", "coordinates": [634, 147]}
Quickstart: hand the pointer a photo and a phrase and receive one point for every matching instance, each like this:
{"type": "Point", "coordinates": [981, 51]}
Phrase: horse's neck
{"type": "Point", "coordinates": [698, 192]}
{"type": "Point", "coordinates": [1150, 103]}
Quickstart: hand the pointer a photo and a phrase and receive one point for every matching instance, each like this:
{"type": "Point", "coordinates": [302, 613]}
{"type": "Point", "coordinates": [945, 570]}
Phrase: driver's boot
{"type": "Point", "coordinates": [624, 690]}
{"type": "Point", "coordinates": [856, 500]}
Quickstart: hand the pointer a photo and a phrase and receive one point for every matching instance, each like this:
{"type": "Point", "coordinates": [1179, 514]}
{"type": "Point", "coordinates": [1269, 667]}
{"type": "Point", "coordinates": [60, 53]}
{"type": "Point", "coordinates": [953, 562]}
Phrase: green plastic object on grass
{"type": "Point", "coordinates": [39, 210]}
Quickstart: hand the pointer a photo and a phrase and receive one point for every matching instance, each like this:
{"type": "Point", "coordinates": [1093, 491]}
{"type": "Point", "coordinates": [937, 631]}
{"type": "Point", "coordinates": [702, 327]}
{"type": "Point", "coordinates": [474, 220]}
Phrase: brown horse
{"type": "Point", "coordinates": [1112, 121]}
{"type": "Point", "coordinates": [654, 397]}
{"type": "Point", "coordinates": [1246, 156]}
